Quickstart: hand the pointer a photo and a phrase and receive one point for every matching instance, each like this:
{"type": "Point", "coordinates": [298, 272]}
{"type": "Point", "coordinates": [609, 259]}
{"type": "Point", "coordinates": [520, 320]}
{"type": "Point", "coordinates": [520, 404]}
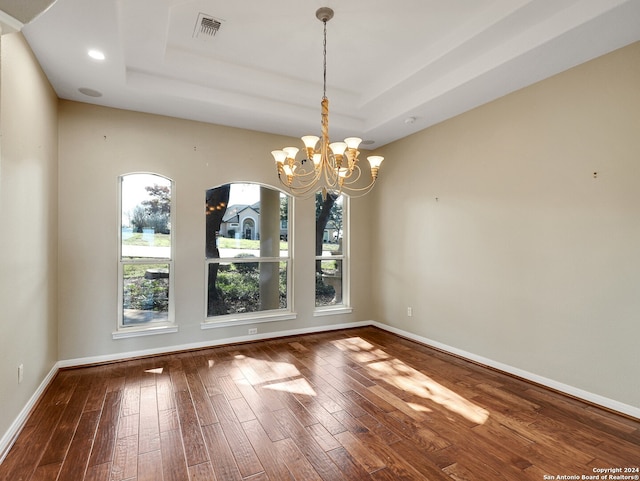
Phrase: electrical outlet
{"type": "Point", "coordinates": [253, 330]}
{"type": "Point", "coordinates": [409, 311]}
{"type": "Point", "coordinates": [20, 373]}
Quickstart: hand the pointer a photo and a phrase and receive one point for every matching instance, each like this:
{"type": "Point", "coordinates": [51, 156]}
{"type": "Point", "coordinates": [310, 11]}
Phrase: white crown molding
{"type": "Point", "coordinates": [8, 24]}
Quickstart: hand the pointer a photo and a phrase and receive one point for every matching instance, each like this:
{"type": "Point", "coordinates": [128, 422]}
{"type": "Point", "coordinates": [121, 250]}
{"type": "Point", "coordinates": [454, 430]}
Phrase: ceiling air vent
{"type": "Point", "coordinates": [206, 26]}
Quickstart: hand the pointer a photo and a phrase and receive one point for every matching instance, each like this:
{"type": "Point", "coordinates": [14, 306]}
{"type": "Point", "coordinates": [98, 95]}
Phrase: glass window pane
{"type": "Point", "coordinates": [246, 219]}
{"type": "Point", "coordinates": [247, 226]}
{"type": "Point", "coordinates": [246, 286]}
{"type": "Point", "coordinates": [145, 293]}
{"type": "Point", "coordinates": [329, 226]}
{"type": "Point", "coordinates": [329, 282]}
{"type": "Point", "coordinates": [329, 249]}
{"type": "Point", "coordinates": [146, 216]}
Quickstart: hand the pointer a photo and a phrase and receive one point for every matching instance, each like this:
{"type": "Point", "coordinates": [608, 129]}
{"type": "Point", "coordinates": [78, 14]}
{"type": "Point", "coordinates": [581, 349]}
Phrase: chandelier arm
{"type": "Point", "coordinates": [355, 169]}
{"type": "Point", "coordinates": [302, 183]}
{"type": "Point", "coordinates": [331, 176]}
{"type": "Point", "coordinates": [306, 177]}
{"type": "Point", "coordinates": [357, 172]}
{"type": "Point", "coordinates": [304, 192]}
{"type": "Point", "coordinates": [358, 192]}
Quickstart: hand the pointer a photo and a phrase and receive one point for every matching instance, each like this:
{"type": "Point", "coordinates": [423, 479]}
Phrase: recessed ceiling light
{"type": "Point", "coordinates": [89, 92]}
{"type": "Point", "coordinates": [96, 54]}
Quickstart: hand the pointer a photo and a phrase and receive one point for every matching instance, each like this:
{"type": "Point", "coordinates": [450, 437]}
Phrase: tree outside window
{"type": "Point", "coordinates": [330, 250]}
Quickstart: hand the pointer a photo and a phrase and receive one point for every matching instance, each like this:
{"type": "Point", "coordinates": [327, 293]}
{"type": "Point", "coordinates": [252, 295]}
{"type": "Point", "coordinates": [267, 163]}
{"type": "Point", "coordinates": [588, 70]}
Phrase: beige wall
{"type": "Point", "coordinates": [493, 227]}
{"type": "Point", "coordinates": [28, 227]}
{"type": "Point", "coordinates": [99, 144]}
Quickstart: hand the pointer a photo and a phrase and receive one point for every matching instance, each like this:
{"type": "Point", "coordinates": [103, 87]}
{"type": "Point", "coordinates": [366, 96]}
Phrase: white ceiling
{"type": "Point", "coordinates": [388, 60]}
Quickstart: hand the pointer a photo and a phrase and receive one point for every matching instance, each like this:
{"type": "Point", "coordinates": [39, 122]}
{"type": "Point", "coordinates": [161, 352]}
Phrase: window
{"type": "Point", "coordinates": [248, 260]}
{"type": "Point", "coordinates": [331, 251]}
{"type": "Point", "coordinates": [145, 262]}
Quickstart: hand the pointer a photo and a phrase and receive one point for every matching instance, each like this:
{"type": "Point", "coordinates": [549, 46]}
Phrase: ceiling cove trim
{"type": "Point", "coordinates": [9, 24]}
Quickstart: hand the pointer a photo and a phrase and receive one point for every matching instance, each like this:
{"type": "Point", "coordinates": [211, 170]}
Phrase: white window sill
{"type": "Point", "coordinates": [332, 311]}
{"type": "Point", "coordinates": [145, 331]}
{"type": "Point", "coordinates": [253, 318]}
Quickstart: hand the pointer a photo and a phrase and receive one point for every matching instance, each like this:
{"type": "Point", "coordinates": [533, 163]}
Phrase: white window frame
{"type": "Point", "coordinates": [345, 306]}
{"type": "Point", "coordinates": [235, 319]}
{"type": "Point", "coordinates": [154, 327]}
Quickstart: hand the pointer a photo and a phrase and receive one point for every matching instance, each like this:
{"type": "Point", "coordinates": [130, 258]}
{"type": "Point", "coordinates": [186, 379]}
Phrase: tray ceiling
{"type": "Point", "coordinates": [394, 67]}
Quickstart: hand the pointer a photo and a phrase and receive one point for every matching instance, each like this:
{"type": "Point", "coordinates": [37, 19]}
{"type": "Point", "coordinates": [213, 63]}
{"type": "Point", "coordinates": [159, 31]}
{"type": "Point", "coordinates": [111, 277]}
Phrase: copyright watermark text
{"type": "Point", "coordinates": [600, 474]}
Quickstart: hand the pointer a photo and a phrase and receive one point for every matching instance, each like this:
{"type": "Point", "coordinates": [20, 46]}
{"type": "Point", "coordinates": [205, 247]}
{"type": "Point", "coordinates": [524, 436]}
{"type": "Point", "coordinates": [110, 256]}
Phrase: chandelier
{"type": "Point", "coordinates": [327, 166]}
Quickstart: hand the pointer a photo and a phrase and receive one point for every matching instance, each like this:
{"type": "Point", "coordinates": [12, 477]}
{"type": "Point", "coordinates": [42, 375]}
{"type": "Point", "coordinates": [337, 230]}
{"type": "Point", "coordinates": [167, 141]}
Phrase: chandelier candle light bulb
{"type": "Point", "coordinates": [324, 167]}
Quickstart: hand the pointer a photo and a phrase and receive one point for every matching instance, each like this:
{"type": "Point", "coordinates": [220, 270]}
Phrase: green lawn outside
{"type": "Point", "coordinates": [159, 240]}
{"type": "Point", "coordinates": [164, 240]}
{"type": "Point", "coordinates": [228, 243]}
{"type": "Point", "coordinates": [132, 271]}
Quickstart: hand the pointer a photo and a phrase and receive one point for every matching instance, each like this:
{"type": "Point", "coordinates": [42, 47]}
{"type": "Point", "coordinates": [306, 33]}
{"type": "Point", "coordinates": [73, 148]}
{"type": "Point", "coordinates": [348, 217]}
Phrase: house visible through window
{"type": "Point", "coordinates": [146, 261]}
{"type": "Point", "coordinates": [331, 248]}
{"type": "Point", "coordinates": [247, 252]}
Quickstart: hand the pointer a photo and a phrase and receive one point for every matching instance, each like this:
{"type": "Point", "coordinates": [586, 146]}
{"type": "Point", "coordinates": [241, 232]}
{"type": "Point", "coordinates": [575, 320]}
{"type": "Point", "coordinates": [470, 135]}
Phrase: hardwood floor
{"type": "Point", "coordinates": [358, 404]}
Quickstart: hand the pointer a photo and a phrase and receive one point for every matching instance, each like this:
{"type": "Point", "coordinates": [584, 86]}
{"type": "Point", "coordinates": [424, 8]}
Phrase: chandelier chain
{"type": "Point", "coordinates": [324, 64]}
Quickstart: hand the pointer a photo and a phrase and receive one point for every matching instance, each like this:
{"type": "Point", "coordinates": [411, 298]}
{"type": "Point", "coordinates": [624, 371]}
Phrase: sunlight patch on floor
{"type": "Point", "coordinates": [259, 371]}
{"type": "Point", "coordinates": [402, 376]}
{"type": "Point", "coordinates": [360, 350]}
{"type": "Point", "coordinates": [419, 408]}
{"type": "Point", "coordinates": [296, 386]}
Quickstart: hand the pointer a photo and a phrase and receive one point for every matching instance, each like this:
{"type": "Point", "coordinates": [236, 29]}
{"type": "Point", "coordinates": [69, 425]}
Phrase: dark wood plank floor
{"type": "Point", "coordinates": [358, 404]}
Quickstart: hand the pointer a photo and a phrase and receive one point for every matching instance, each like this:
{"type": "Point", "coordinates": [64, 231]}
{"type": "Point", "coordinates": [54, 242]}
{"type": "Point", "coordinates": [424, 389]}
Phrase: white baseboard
{"type": "Point", "coordinates": [83, 361]}
{"type": "Point", "coordinates": [590, 397]}
{"type": "Point", "coordinates": [10, 436]}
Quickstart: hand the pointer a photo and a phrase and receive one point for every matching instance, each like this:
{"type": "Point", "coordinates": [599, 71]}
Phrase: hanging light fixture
{"type": "Point", "coordinates": [327, 166]}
